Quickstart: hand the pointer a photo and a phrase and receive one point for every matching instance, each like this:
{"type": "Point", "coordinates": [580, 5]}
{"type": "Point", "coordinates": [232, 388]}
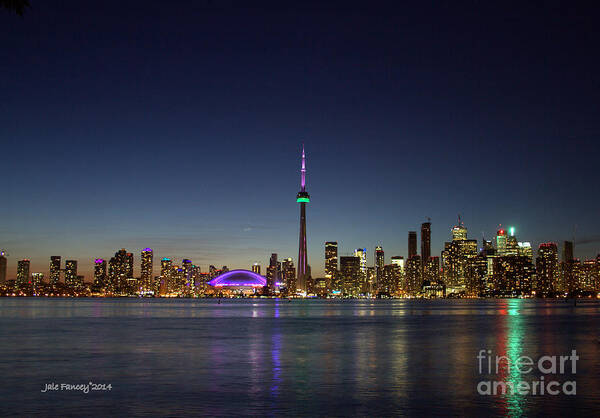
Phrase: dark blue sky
{"type": "Point", "coordinates": [178, 127]}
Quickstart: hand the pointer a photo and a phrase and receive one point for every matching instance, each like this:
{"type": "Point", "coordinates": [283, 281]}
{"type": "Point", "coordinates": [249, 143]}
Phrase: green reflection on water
{"type": "Point", "coordinates": [514, 350]}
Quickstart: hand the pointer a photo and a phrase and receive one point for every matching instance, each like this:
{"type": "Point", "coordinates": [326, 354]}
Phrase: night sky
{"type": "Point", "coordinates": [178, 126]}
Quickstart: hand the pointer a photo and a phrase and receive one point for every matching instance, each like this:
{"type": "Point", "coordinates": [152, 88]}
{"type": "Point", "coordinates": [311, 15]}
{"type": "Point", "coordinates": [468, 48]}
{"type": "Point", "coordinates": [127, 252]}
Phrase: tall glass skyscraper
{"type": "Point", "coordinates": [99, 273]}
{"type": "Point", "coordinates": [54, 270]}
{"type": "Point", "coordinates": [146, 271]}
{"type": "Point", "coordinates": [501, 242]}
{"type": "Point", "coordinates": [23, 272]}
{"type": "Point", "coordinates": [361, 253]}
{"type": "Point", "coordinates": [3, 262]}
{"type": "Point", "coordinates": [71, 273]}
{"type": "Point", "coordinates": [425, 242]}
{"type": "Point", "coordinates": [331, 259]}
{"type": "Point", "coordinates": [379, 264]}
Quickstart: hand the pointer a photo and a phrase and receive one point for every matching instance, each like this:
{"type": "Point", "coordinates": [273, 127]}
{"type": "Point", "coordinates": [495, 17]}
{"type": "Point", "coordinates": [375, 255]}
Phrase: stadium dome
{"type": "Point", "coordinates": [238, 278]}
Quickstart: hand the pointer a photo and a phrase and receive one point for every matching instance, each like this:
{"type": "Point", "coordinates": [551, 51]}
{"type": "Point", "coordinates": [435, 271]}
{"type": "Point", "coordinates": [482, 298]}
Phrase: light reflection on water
{"type": "Point", "coordinates": [510, 342]}
{"type": "Point", "coordinates": [267, 357]}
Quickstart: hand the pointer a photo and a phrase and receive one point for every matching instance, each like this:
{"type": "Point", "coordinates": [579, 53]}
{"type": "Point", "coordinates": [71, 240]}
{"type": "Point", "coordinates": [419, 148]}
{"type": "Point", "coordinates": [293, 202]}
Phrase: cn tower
{"type": "Point", "coordinates": [303, 198]}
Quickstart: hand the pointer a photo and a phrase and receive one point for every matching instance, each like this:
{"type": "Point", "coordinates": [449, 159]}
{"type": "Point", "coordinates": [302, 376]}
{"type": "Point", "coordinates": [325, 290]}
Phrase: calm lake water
{"type": "Point", "coordinates": [304, 357]}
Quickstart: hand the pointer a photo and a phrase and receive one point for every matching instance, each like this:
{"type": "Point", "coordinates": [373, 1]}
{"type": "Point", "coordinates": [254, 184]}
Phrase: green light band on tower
{"type": "Point", "coordinates": [303, 199]}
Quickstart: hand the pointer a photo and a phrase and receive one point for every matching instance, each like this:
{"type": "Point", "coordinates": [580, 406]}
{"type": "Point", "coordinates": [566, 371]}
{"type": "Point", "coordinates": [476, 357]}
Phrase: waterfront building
{"type": "Point", "coordinates": [588, 278]}
{"type": "Point", "coordinates": [331, 263]}
{"type": "Point", "coordinates": [547, 270]}
{"type": "Point", "coordinates": [513, 276]}
{"type": "Point", "coordinates": [71, 274]}
{"type": "Point", "coordinates": [476, 275]}
{"type": "Point", "coordinates": [331, 259]}
{"type": "Point", "coordinates": [273, 273]}
{"type": "Point", "coordinates": [379, 264]}
{"type": "Point", "coordinates": [55, 262]}
{"type": "Point", "coordinates": [37, 280]}
{"type": "Point", "coordinates": [288, 276]}
{"type": "Point", "coordinates": [120, 269]}
{"type": "Point", "coordinates": [100, 273]}
{"type": "Point", "coordinates": [23, 273]}
{"type": "Point", "coordinates": [146, 272]}
{"type": "Point", "coordinates": [188, 280]}
{"type": "Point", "coordinates": [3, 266]}
{"type": "Point", "coordinates": [351, 275]}
{"type": "Point", "coordinates": [166, 273]}
{"type": "Point", "coordinates": [413, 276]}
{"type": "Point", "coordinates": [425, 242]}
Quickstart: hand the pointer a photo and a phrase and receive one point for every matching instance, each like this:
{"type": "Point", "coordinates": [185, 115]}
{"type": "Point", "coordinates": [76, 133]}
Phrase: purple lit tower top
{"type": "Point", "coordinates": [303, 198]}
{"type": "Point", "coordinates": [303, 171]}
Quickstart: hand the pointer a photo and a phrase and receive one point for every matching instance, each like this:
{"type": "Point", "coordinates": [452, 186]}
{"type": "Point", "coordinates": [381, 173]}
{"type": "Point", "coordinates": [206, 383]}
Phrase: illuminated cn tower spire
{"type": "Point", "coordinates": [303, 198]}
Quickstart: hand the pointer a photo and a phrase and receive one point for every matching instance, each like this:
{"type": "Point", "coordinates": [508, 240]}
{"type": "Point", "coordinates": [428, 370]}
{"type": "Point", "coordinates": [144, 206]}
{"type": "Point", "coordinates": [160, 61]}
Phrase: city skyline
{"type": "Point", "coordinates": [316, 208]}
{"type": "Point", "coordinates": [193, 158]}
{"type": "Point", "coordinates": [319, 264]}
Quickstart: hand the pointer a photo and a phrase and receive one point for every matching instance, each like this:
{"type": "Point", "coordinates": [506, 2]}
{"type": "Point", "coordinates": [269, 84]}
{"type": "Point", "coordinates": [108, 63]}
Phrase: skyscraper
{"type": "Point", "coordinates": [99, 274]}
{"type": "Point", "coordinates": [146, 271]}
{"type": "Point", "coordinates": [569, 267]}
{"type": "Point", "coordinates": [501, 242]}
{"type": "Point", "coordinates": [37, 279]}
{"type": "Point", "coordinates": [379, 264]}
{"type": "Point", "coordinates": [119, 268]}
{"type": "Point", "coordinates": [273, 273]}
{"type": "Point", "coordinates": [389, 280]}
{"type": "Point", "coordinates": [350, 275]}
{"type": "Point", "coordinates": [129, 266]}
{"type": "Point", "coordinates": [455, 257]}
{"type": "Point", "coordinates": [425, 242]}
{"type": "Point", "coordinates": [547, 269]}
{"type": "Point", "coordinates": [166, 273]}
{"type": "Point", "coordinates": [303, 198]}
{"type": "Point", "coordinates": [512, 245]}
{"type": "Point", "coordinates": [413, 277]}
{"type": "Point", "coordinates": [186, 266]}
{"type": "Point", "coordinates": [431, 270]}
{"type": "Point", "coordinates": [288, 276]}
{"type": "Point", "coordinates": [54, 270]}
{"type": "Point", "coordinates": [71, 273]}
{"type": "Point", "coordinates": [361, 253]}
{"type": "Point", "coordinates": [2, 267]}
{"type": "Point", "coordinates": [512, 276]}
{"type": "Point", "coordinates": [23, 272]}
{"type": "Point", "coordinates": [331, 259]}
{"type": "Point", "coordinates": [412, 244]}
